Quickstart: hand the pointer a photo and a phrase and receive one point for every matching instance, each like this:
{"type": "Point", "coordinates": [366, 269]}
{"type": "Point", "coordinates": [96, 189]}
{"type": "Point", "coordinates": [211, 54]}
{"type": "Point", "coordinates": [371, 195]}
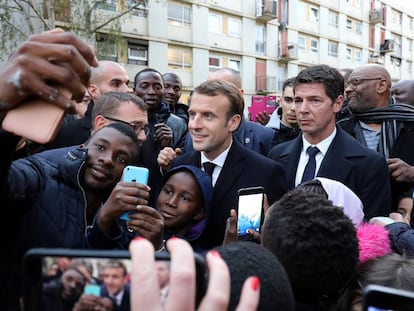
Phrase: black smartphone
{"type": "Point", "coordinates": [37, 262]}
{"type": "Point", "coordinates": [249, 210]}
{"type": "Point", "coordinates": [382, 298]}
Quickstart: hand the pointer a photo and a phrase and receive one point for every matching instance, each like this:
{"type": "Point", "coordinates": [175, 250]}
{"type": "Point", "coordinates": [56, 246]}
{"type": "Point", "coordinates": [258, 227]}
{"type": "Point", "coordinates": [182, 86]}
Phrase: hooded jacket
{"type": "Point", "coordinates": [120, 236]}
{"type": "Point", "coordinates": [206, 188]}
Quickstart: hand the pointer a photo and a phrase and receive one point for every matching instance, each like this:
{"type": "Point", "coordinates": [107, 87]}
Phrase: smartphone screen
{"type": "Point", "coordinates": [249, 213]}
{"type": "Point", "coordinates": [134, 174]}
{"type": "Point", "coordinates": [382, 298]}
{"type": "Point", "coordinates": [37, 283]}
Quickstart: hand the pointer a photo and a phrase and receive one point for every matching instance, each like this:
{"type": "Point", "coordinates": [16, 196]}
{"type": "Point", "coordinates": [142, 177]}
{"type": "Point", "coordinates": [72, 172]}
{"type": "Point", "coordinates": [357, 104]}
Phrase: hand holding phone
{"type": "Point", "coordinates": [35, 120]}
{"type": "Point", "coordinates": [134, 174]}
{"type": "Point", "coordinates": [249, 210]}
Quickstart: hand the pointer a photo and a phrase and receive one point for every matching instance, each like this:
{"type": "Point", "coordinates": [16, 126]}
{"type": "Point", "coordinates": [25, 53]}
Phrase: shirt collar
{"type": "Point", "coordinates": [323, 145]}
{"type": "Point", "coordinates": [220, 159]}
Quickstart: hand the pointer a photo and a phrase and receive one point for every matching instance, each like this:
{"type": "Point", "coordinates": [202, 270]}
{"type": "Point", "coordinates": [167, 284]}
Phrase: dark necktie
{"type": "Point", "coordinates": [309, 172]}
{"type": "Point", "coordinates": [209, 168]}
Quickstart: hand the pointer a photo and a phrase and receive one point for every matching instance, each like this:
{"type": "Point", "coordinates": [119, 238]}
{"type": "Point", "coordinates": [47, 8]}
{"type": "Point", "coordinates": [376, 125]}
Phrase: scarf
{"type": "Point", "coordinates": [392, 118]}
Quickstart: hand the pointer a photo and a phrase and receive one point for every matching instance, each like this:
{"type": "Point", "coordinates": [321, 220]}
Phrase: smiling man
{"type": "Point", "coordinates": [51, 198]}
{"type": "Point", "coordinates": [215, 113]}
{"type": "Point", "coordinates": [318, 95]}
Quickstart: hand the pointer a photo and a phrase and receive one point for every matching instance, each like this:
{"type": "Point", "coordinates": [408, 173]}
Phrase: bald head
{"type": "Point", "coordinates": [372, 71]}
{"type": "Point", "coordinates": [229, 75]}
{"type": "Point", "coordinates": [403, 91]}
{"type": "Point", "coordinates": [108, 76]}
{"type": "Point", "coordinates": [368, 87]}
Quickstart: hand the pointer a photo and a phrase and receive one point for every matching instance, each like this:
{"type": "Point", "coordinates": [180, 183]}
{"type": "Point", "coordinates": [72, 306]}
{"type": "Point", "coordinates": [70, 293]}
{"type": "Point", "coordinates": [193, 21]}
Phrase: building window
{"type": "Point", "coordinates": [137, 54]}
{"type": "Point", "coordinates": [234, 26]}
{"type": "Point", "coordinates": [348, 53]}
{"type": "Point", "coordinates": [333, 49]}
{"type": "Point", "coordinates": [180, 58]}
{"type": "Point", "coordinates": [358, 54]}
{"type": "Point", "coordinates": [410, 44]}
{"type": "Point", "coordinates": [358, 28]}
{"type": "Point", "coordinates": [260, 39]}
{"type": "Point", "coordinates": [214, 62]}
{"type": "Point", "coordinates": [314, 45]}
{"type": "Point", "coordinates": [234, 64]}
{"type": "Point", "coordinates": [333, 19]}
{"type": "Point", "coordinates": [140, 8]}
{"type": "Point", "coordinates": [107, 48]}
{"type": "Point", "coordinates": [314, 14]}
{"type": "Point", "coordinates": [301, 43]}
{"type": "Point", "coordinates": [349, 24]}
{"type": "Point", "coordinates": [109, 5]}
{"type": "Point", "coordinates": [214, 23]}
{"type": "Point", "coordinates": [178, 15]}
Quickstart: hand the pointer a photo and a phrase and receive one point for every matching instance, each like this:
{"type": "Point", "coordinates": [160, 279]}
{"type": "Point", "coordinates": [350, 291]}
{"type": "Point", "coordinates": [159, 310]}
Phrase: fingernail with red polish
{"type": "Point", "coordinates": [215, 253]}
{"type": "Point", "coordinates": [255, 282]}
{"type": "Point", "coordinates": [138, 238]}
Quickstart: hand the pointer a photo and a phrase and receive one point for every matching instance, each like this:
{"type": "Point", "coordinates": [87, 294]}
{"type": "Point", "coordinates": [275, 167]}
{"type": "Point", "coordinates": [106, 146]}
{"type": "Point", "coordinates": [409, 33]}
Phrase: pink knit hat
{"type": "Point", "coordinates": [373, 241]}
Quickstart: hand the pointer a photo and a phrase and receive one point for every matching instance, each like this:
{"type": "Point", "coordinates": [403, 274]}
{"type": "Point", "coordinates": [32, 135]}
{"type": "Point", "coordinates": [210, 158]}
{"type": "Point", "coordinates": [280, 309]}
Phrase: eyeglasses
{"type": "Point", "coordinates": [136, 127]}
{"type": "Point", "coordinates": [357, 81]}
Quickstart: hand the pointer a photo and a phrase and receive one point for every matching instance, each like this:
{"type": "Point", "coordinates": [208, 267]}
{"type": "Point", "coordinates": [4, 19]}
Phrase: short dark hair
{"type": "Point", "coordinates": [122, 128]}
{"type": "Point", "coordinates": [288, 82]}
{"type": "Point", "coordinates": [246, 259]}
{"type": "Point", "coordinates": [330, 77]}
{"type": "Point", "coordinates": [229, 90]}
{"type": "Point", "coordinates": [107, 104]}
{"type": "Point", "coordinates": [117, 264]}
{"type": "Point", "coordinates": [147, 70]}
{"type": "Point", "coordinates": [316, 243]}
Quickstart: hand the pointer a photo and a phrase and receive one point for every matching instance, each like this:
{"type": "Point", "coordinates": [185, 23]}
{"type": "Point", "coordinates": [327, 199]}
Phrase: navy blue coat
{"type": "Point", "coordinates": [364, 171]}
{"type": "Point", "coordinates": [242, 168]}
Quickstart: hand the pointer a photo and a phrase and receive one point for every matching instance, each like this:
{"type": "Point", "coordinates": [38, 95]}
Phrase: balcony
{"type": "Point", "coordinates": [376, 59]}
{"type": "Point", "coordinates": [387, 46]}
{"type": "Point", "coordinates": [288, 52]}
{"type": "Point", "coordinates": [376, 16]}
{"type": "Point", "coordinates": [267, 84]}
{"type": "Point", "coordinates": [266, 10]}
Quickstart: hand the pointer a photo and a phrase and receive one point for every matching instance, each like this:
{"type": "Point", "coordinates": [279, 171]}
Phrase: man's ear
{"type": "Point", "coordinates": [93, 90]}
{"type": "Point", "coordinates": [234, 122]}
{"type": "Point", "coordinates": [99, 122]}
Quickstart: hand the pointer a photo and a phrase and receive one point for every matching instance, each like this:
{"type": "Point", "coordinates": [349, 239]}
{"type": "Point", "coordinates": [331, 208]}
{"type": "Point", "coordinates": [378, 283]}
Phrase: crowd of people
{"type": "Point", "coordinates": [335, 161]}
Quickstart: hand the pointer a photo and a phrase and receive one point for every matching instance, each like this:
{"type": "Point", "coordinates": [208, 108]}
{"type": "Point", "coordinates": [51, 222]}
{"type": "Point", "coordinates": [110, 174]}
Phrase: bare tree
{"type": "Point", "coordinates": [91, 20]}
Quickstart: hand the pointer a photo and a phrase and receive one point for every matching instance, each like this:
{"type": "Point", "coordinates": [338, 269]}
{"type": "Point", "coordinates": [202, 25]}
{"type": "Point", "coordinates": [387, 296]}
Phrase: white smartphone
{"type": "Point", "coordinates": [134, 174]}
{"type": "Point", "coordinates": [249, 210]}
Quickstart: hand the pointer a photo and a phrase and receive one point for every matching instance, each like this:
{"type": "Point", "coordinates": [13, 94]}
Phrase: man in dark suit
{"type": "Point", "coordinates": [318, 97]}
{"type": "Point", "coordinates": [215, 113]}
{"type": "Point", "coordinates": [115, 284]}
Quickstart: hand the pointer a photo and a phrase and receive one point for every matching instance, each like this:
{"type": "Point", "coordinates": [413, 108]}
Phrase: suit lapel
{"type": "Point", "coordinates": [232, 169]}
{"type": "Point", "coordinates": [289, 158]}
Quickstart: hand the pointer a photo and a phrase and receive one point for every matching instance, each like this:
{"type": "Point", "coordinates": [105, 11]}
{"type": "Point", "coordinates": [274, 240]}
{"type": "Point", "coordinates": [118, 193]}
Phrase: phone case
{"type": "Point", "coordinates": [36, 120]}
{"type": "Point", "coordinates": [134, 174]}
{"type": "Point", "coordinates": [249, 210]}
{"type": "Point", "coordinates": [92, 289]}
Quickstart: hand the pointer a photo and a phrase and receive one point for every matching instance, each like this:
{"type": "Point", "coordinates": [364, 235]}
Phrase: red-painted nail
{"type": "Point", "coordinates": [255, 282]}
{"type": "Point", "coordinates": [138, 238]}
{"type": "Point", "coordinates": [215, 253]}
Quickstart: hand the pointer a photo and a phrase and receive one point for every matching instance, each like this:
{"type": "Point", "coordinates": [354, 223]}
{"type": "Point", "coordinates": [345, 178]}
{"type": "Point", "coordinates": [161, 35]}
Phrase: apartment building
{"type": "Point", "coordinates": [266, 40]}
